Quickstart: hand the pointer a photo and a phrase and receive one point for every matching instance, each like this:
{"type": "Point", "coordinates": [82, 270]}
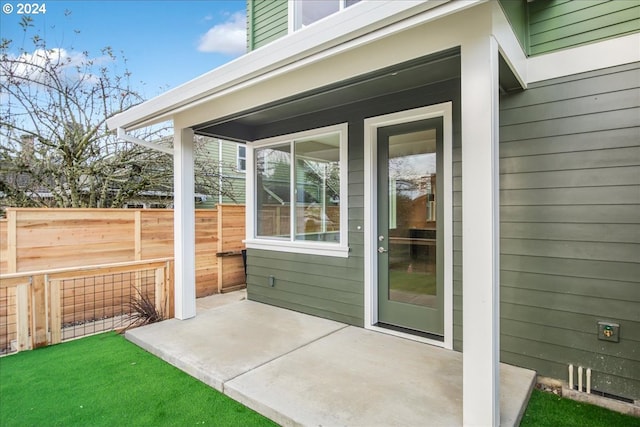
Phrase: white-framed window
{"type": "Point", "coordinates": [306, 12]}
{"type": "Point", "coordinates": [299, 184]}
{"type": "Point", "coordinates": [241, 158]}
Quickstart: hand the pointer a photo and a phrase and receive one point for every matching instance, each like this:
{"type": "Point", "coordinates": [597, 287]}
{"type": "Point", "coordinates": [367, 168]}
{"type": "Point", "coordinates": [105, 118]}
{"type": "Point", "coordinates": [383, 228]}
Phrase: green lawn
{"type": "Point", "coordinates": [104, 380]}
{"type": "Point", "coordinates": [549, 410]}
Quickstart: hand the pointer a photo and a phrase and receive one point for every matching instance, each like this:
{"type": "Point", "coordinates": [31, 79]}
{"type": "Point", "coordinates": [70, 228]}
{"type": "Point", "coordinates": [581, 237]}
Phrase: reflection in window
{"type": "Point", "coordinates": [318, 188]}
{"type": "Point", "coordinates": [309, 11]}
{"type": "Point", "coordinates": [241, 164]}
{"type": "Point", "coordinates": [298, 186]}
{"type": "Point", "coordinates": [273, 191]}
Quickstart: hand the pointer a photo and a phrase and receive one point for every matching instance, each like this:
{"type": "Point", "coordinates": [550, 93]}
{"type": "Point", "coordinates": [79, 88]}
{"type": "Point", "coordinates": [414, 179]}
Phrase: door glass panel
{"type": "Point", "coordinates": [412, 218]}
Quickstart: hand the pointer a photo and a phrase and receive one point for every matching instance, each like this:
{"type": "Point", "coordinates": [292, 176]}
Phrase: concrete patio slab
{"type": "Point", "coordinates": [356, 377]}
{"type": "Point", "coordinates": [303, 370]}
{"type": "Point", "coordinates": [224, 342]}
{"type": "Point", "coordinates": [218, 300]}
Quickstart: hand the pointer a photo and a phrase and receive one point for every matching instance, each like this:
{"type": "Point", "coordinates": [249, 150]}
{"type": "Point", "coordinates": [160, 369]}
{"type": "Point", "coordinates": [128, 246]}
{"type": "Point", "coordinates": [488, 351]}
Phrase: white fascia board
{"type": "Point", "coordinates": [356, 21]}
{"type": "Point", "coordinates": [508, 44]}
{"type": "Point", "coordinates": [594, 56]}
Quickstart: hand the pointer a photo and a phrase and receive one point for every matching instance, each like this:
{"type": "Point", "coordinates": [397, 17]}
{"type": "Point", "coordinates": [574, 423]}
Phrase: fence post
{"type": "Point", "coordinates": [170, 289]}
{"type": "Point", "coordinates": [38, 312]}
{"type": "Point", "coordinates": [159, 289]}
{"type": "Point", "coordinates": [22, 316]}
{"type": "Point", "coordinates": [55, 311]}
{"type": "Point", "coordinates": [12, 241]}
{"type": "Point", "coordinates": [219, 247]}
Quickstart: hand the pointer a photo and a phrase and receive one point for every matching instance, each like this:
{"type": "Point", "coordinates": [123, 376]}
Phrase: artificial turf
{"type": "Point", "coordinates": [104, 380]}
{"type": "Point", "coordinates": [549, 410]}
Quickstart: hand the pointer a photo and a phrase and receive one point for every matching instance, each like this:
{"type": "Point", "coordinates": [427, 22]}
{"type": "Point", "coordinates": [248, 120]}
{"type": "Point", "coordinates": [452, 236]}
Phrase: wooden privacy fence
{"type": "Point", "coordinates": [41, 239]}
{"type": "Point", "coordinates": [47, 307]}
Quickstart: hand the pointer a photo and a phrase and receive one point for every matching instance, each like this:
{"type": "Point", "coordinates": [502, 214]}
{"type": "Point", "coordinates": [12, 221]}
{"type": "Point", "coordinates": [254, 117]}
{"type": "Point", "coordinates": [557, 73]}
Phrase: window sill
{"type": "Point", "coordinates": [321, 249]}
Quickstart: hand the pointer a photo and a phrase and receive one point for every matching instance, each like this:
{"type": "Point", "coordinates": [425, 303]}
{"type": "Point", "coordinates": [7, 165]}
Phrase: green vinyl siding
{"type": "Point", "coordinates": [267, 21]}
{"type": "Point", "coordinates": [559, 24]}
{"type": "Point", "coordinates": [570, 226]}
{"type": "Point", "coordinates": [324, 286]}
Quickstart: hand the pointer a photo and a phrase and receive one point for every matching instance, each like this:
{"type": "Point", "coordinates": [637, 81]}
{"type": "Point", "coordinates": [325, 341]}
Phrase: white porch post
{"type": "Point", "coordinates": [184, 225]}
{"type": "Point", "coordinates": [480, 225]}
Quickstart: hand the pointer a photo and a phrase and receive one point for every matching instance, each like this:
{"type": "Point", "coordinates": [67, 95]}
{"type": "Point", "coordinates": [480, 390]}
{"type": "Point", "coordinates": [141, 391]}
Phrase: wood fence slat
{"type": "Point", "coordinates": [3, 245]}
{"type": "Point", "coordinates": [170, 277]}
{"type": "Point", "coordinates": [137, 236]}
{"type": "Point", "coordinates": [38, 312]}
{"type": "Point", "coordinates": [47, 214]}
{"type": "Point", "coordinates": [55, 311]}
{"type": "Point", "coordinates": [159, 288]}
{"type": "Point", "coordinates": [10, 282]}
{"type": "Point", "coordinates": [12, 257]}
{"type": "Point", "coordinates": [22, 315]}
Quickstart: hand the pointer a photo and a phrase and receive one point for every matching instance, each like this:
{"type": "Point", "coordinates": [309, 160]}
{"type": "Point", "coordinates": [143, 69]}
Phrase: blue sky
{"type": "Point", "coordinates": [165, 42]}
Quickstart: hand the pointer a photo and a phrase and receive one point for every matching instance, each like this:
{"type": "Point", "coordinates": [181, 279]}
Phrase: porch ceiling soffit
{"type": "Point", "coordinates": [362, 23]}
{"type": "Point", "coordinates": [329, 82]}
{"type": "Point", "coordinates": [421, 72]}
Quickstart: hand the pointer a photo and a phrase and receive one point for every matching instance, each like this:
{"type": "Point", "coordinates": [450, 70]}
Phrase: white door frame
{"type": "Point", "coordinates": [371, 126]}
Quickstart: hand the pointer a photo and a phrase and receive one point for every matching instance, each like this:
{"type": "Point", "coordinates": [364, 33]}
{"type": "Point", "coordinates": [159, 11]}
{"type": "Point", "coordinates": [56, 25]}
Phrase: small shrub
{"type": "Point", "coordinates": [143, 310]}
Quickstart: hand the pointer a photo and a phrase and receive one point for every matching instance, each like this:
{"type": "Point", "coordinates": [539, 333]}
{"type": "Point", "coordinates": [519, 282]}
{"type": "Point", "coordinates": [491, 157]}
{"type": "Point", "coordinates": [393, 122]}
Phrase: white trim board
{"type": "Point", "coordinates": [371, 125]}
{"type": "Point", "coordinates": [590, 57]}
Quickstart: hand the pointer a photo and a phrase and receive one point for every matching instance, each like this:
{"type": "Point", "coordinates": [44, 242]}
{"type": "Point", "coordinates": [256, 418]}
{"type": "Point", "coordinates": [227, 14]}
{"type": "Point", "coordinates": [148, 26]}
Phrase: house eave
{"type": "Point", "coordinates": [290, 52]}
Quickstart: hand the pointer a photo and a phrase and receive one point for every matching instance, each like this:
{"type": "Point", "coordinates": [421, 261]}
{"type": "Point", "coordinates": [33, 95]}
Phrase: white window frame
{"type": "Point", "coordinates": [252, 241]}
{"type": "Point", "coordinates": [293, 14]}
{"type": "Point", "coordinates": [238, 158]}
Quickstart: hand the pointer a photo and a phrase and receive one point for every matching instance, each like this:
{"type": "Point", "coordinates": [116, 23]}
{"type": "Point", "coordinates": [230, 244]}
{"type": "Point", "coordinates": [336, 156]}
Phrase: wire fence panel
{"type": "Point", "coordinates": [8, 321]}
{"type": "Point", "coordinates": [102, 303]}
{"type": "Point", "coordinates": [48, 307]}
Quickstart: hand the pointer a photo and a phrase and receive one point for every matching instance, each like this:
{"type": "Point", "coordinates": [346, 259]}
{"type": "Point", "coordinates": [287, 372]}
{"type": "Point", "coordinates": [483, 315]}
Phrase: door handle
{"type": "Point", "coordinates": [381, 250]}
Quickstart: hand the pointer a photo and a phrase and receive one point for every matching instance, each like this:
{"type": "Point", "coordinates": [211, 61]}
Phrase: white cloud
{"type": "Point", "coordinates": [229, 37]}
{"type": "Point", "coordinates": [32, 64]}
{"type": "Point", "coordinates": [72, 64]}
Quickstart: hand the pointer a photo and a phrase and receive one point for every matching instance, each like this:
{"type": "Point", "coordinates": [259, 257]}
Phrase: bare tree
{"type": "Point", "coordinates": [55, 148]}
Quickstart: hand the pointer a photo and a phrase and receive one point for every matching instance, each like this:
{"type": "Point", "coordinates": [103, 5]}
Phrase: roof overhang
{"type": "Point", "coordinates": [251, 124]}
{"type": "Point", "coordinates": [363, 23]}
